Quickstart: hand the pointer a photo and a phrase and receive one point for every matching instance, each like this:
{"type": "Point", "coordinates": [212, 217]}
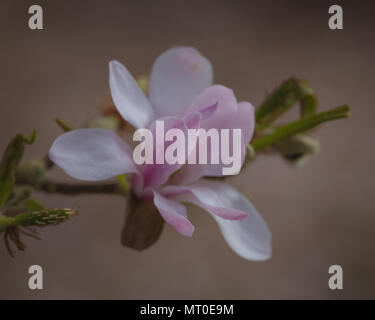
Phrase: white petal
{"type": "Point", "coordinates": [226, 116]}
{"type": "Point", "coordinates": [92, 154]}
{"type": "Point", "coordinates": [250, 237]}
{"type": "Point", "coordinates": [174, 213]}
{"type": "Point", "coordinates": [177, 77]}
{"type": "Point", "coordinates": [128, 98]}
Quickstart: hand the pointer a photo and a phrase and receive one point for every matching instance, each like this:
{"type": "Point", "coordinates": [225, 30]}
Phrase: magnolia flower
{"type": "Point", "coordinates": [180, 93]}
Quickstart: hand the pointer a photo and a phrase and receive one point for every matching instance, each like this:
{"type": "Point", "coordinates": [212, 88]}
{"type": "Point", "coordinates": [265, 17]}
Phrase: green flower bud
{"type": "Point", "coordinates": [106, 122]}
{"type": "Point", "coordinates": [44, 218]}
{"type": "Point", "coordinates": [143, 83]}
{"type": "Point", "coordinates": [15, 218]}
{"type": "Point", "coordinates": [31, 172]}
{"type": "Point", "coordinates": [297, 149]}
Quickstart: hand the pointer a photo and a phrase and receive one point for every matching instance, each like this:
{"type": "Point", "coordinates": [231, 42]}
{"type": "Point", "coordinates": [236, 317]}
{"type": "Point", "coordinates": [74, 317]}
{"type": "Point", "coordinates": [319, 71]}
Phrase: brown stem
{"type": "Point", "coordinates": [49, 186]}
{"type": "Point", "coordinates": [48, 162]}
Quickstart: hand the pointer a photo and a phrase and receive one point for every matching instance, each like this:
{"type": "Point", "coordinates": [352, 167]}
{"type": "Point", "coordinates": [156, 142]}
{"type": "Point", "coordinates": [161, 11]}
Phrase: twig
{"type": "Point", "coordinates": [49, 186]}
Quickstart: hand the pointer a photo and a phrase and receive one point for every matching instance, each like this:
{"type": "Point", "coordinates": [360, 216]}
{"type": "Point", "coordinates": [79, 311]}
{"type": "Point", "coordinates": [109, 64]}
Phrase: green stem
{"type": "Point", "coordinates": [7, 222]}
{"type": "Point", "coordinates": [9, 163]}
{"type": "Point", "coordinates": [63, 125]}
{"type": "Point", "coordinates": [283, 98]}
{"type": "Point", "coordinates": [300, 125]}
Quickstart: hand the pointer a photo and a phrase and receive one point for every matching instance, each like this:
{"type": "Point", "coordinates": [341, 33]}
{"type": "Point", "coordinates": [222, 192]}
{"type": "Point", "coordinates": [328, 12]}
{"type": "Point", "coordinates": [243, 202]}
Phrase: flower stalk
{"type": "Point", "coordinates": [49, 186]}
{"type": "Point", "coordinates": [283, 98]}
{"type": "Point", "coordinates": [9, 163]}
{"type": "Point", "coordinates": [299, 126]}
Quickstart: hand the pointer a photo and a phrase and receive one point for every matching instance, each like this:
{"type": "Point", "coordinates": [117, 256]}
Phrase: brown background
{"type": "Point", "coordinates": [320, 215]}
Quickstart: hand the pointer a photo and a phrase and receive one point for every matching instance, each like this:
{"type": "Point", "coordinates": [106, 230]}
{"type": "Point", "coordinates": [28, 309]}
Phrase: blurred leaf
{"type": "Point", "coordinates": [44, 217]}
{"type": "Point", "coordinates": [143, 82]}
{"type": "Point", "coordinates": [279, 101]}
{"type": "Point", "coordinates": [63, 125]}
{"type": "Point", "coordinates": [299, 126]}
{"type": "Point", "coordinates": [106, 122]}
{"type": "Point", "coordinates": [124, 183]}
{"type": "Point", "coordinates": [9, 162]}
{"type": "Point", "coordinates": [33, 204]}
{"type": "Point", "coordinates": [14, 223]}
{"type": "Point", "coordinates": [17, 198]}
{"type": "Point", "coordinates": [31, 172]}
{"type": "Point", "coordinates": [39, 218]}
{"type": "Point", "coordinates": [308, 105]}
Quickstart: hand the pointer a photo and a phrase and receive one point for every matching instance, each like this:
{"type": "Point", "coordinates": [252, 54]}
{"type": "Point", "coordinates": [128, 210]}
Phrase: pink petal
{"type": "Point", "coordinates": [92, 154]}
{"type": "Point", "coordinates": [250, 238]}
{"type": "Point", "coordinates": [178, 76]}
{"type": "Point", "coordinates": [218, 95]}
{"type": "Point", "coordinates": [225, 117]}
{"type": "Point", "coordinates": [207, 112]}
{"type": "Point", "coordinates": [128, 98]}
{"type": "Point", "coordinates": [192, 120]}
{"type": "Point", "coordinates": [245, 120]}
{"type": "Point", "coordinates": [208, 195]}
{"type": "Point", "coordinates": [156, 174]}
{"type": "Point", "coordinates": [174, 213]}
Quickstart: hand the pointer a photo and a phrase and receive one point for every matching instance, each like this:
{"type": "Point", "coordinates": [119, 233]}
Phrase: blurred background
{"type": "Point", "coordinates": [320, 215]}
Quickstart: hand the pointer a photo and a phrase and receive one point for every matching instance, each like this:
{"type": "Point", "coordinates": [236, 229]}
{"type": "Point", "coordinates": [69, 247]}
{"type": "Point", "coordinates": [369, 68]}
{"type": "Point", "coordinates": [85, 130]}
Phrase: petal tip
{"type": "Point", "coordinates": [188, 230]}
{"type": "Point", "coordinates": [113, 63]}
